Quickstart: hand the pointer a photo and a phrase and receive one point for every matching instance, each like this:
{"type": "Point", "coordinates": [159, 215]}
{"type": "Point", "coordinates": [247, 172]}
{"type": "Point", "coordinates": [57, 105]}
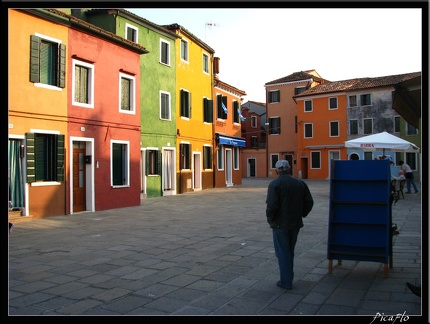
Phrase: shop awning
{"type": "Point", "coordinates": [228, 140]}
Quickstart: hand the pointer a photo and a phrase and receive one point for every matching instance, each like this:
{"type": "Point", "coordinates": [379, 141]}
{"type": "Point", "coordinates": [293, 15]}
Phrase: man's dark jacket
{"type": "Point", "coordinates": [288, 201]}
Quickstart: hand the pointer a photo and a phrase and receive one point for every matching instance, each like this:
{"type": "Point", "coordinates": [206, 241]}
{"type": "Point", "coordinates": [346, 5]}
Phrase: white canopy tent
{"type": "Point", "coordinates": [382, 141]}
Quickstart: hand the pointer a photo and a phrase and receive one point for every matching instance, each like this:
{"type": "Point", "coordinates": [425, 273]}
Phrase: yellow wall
{"type": "Point", "coordinates": [190, 77]}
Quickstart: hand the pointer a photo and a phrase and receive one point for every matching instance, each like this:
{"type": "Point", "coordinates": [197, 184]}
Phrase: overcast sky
{"type": "Point", "coordinates": [256, 46]}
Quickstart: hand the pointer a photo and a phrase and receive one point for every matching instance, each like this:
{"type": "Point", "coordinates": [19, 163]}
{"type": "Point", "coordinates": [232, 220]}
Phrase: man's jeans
{"type": "Point", "coordinates": [285, 242]}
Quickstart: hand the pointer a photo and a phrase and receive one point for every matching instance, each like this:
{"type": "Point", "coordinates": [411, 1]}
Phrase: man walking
{"type": "Point", "coordinates": [288, 201]}
{"type": "Point", "coordinates": [409, 175]}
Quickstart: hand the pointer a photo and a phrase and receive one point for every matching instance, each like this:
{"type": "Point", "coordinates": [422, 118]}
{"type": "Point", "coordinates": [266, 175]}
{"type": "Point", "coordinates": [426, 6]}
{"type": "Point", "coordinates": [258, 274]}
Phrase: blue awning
{"type": "Point", "coordinates": [234, 141]}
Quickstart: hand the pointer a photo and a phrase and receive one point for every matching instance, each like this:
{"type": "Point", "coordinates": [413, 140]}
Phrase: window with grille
{"type": "Point", "coordinates": [47, 61]}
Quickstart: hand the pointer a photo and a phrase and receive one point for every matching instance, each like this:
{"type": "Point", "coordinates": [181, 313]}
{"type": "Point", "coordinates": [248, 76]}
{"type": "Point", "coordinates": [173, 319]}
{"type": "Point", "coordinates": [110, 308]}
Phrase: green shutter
{"type": "Point", "coordinates": [61, 69]}
{"type": "Point", "coordinates": [159, 162]}
{"type": "Point", "coordinates": [146, 162]}
{"type": "Point", "coordinates": [211, 110]}
{"type": "Point", "coordinates": [31, 170]}
{"type": "Point", "coordinates": [60, 157]}
{"type": "Point", "coordinates": [34, 58]}
{"type": "Point", "coordinates": [181, 156]}
{"type": "Point", "coordinates": [189, 102]}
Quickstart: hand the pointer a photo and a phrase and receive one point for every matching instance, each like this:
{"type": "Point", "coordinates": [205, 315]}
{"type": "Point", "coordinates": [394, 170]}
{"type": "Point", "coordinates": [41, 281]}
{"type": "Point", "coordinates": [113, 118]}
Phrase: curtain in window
{"type": "Point", "coordinates": [125, 94]}
{"type": "Point", "coordinates": [167, 169]}
{"type": "Point", "coordinates": [81, 84]}
{"type": "Point", "coordinates": [15, 174]}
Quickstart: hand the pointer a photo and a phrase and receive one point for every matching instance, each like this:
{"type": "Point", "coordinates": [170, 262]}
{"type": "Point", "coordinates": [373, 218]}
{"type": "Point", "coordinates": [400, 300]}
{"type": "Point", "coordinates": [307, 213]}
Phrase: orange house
{"type": "Point", "coordinates": [322, 132]}
{"type": "Point", "coordinates": [282, 120]}
{"type": "Point", "coordinates": [37, 107]}
{"type": "Point", "coordinates": [227, 130]}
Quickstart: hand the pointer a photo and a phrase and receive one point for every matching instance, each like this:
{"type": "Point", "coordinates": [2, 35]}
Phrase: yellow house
{"type": "Point", "coordinates": [194, 112]}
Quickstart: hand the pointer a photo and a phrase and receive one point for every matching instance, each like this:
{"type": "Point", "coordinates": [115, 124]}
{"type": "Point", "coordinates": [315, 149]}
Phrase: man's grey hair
{"type": "Point", "coordinates": [282, 166]}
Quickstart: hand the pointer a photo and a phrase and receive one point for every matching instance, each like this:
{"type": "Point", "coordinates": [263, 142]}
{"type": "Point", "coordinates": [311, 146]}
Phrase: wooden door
{"type": "Point", "coordinates": [79, 193]}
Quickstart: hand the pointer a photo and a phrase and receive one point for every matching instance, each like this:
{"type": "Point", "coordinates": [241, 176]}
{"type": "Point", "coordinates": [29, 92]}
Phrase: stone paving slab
{"type": "Point", "coordinates": [208, 252]}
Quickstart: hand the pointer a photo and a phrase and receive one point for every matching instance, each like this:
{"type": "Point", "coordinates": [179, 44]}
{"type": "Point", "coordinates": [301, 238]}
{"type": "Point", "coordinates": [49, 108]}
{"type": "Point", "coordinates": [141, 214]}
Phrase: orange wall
{"type": "Point", "coordinates": [320, 117]}
{"type": "Point", "coordinates": [35, 108]}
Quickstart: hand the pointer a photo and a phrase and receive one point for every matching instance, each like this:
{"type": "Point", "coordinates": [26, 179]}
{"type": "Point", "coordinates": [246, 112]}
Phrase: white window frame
{"type": "Point", "coordinates": [253, 121]}
{"type": "Point", "coordinates": [273, 159]}
{"type": "Point", "coordinates": [186, 54]}
{"type": "Point", "coordinates": [304, 106]}
{"type": "Point", "coordinates": [169, 108]}
{"type": "Point", "coordinates": [52, 40]}
{"type": "Point", "coordinates": [127, 26]}
{"type": "Point", "coordinates": [329, 103]}
{"type": "Point", "coordinates": [132, 93]}
{"type": "Point", "coordinates": [311, 164]}
{"type": "Point", "coordinates": [349, 101]}
{"type": "Point", "coordinates": [91, 73]}
{"type": "Point", "coordinates": [364, 126]}
{"type": "Point", "coordinates": [127, 163]}
{"type": "Point", "coordinates": [332, 124]}
{"type": "Point", "coordinates": [304, 130]}
{"type": "Point", "coordinates": [353, 120]}
{"type": "Point", "coordinates": [162, 41]}
{"type": "Point", "coordinates": [220, 158]}
{"type": "Point", "coordinates": [205, 63]}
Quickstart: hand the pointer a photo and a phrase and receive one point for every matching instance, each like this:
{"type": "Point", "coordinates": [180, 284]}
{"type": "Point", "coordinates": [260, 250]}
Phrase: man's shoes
{"type": "Point", "coordinates": [414, 289]}
{"type": "Point", "coordinates": [416, 191]}
{"type": "Point", "coordinates": [280, 285]}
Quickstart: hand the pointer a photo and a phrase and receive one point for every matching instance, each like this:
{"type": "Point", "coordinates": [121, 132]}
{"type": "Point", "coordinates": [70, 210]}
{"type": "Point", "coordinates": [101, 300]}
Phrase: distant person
{"type": "Point", "coordinates": [409, 175]}
{"type": "Point", "coordinates": [288, 201]}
